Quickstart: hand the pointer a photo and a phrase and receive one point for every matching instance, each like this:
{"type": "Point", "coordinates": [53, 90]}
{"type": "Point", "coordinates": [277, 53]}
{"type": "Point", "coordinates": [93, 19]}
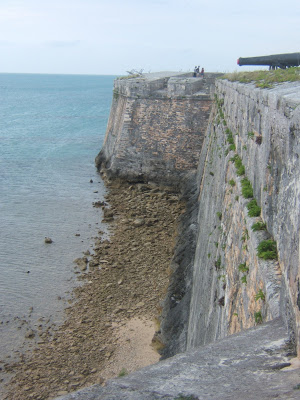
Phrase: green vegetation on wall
{"type": "Point", "coordinates": [253, 208]}
{"type": "Point", "coordinates": [265, 79]}
{"type": "Point", "coordinates": [247, 189]}
{"type": "Point", "coordinates": [259, 226]}
{"type": "Point", "coordinates": [260, 295]}
{"type": "Point", "coordinates": [243, 268]}
{"type": "Point", "coordinates": [258, 317]}
{"type": "Point", "coordinates": [267, 250]}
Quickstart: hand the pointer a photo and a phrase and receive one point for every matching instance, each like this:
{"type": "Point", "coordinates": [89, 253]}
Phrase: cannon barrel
{"type": "Point", "coordinates": [273, 61]}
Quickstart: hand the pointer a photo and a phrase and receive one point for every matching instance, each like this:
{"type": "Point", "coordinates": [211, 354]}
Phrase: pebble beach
{"type": "Point", "coordinates": [110, 323]}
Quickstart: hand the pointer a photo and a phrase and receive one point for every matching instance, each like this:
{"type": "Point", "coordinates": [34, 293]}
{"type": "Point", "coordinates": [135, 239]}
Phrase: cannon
{"type": "Point", "coordinates": [273, 61]}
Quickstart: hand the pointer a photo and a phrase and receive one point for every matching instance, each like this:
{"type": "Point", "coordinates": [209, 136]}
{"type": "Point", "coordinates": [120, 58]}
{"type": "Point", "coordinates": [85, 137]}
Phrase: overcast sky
{"type": "Point", "coordinates": [113, 36]}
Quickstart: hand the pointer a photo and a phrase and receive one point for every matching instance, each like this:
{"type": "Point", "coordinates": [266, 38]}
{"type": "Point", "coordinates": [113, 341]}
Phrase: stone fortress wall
{"type": "Point", "coordinates": [239, 289]}
{"type": "Point", "coordinates": [231, 319]}
{"type": "Point", "coordinates": [156, 126]}
{"type": "Point", "coordinates": [170, 128]}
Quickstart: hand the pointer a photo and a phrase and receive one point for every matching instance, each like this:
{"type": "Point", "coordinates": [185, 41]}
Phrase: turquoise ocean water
{"type": "Point", "coordinates": [51, 129]}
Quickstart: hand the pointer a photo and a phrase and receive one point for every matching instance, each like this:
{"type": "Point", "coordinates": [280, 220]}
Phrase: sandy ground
{"type": "Point", "coordinates": [134, 349]}
{"type": "Point", "coordinates": [110, 324]}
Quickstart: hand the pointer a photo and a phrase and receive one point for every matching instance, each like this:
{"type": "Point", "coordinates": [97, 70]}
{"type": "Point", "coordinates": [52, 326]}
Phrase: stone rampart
{"type": "Point", "coordinates": [156, 127]}
{"type": "Point", "coordinates": [219, 284]}
{"type": "Point", "coordinates": [233, 288]}
{"type": "Point", "coordinates": [245, 191]}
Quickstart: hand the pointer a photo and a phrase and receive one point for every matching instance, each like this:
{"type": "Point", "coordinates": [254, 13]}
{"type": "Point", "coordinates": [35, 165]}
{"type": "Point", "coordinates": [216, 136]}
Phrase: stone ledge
{"type": "Point", "coordinates": [249, 365]}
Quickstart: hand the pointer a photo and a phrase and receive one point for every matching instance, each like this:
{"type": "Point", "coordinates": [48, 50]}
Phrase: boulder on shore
{"type": "Point", "coordinates": [81, 263]}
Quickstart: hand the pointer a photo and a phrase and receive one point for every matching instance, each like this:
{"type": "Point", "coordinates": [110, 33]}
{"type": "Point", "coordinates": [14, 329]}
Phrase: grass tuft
{"type": "Point", "coordinates": [267, 250]}
{"type": "Point", "coordinates": [260, 295]}
{"type": "Point", "coordinates": [218, 263]}
{"type": "Point", "coordinates": [258, 317]}
{"type": "Point", "coordinates": [259, 226]}
{"type": "Point", "coordinates": [265, 79]}
{"type": "Point", "coordinates": [243, 268]}
{"type": "Point", "coordinates": [123, 372]}
{"type": "Point", "coordinates": [247, 190]}
{"type": "Point", "coordinates": [253, 208]}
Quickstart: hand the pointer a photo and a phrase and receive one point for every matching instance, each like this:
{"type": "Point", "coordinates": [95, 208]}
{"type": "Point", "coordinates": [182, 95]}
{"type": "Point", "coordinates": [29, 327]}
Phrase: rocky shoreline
{"type": "Point", "coordinates": [111, 318]}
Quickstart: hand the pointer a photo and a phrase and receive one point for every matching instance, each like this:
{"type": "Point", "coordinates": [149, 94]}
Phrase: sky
{"type": "Point", "coordinates": [110, 37]}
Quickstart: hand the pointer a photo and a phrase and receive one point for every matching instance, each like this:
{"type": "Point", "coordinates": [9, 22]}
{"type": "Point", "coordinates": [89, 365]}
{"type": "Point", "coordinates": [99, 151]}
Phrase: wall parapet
{"type": "Point", "coordinates": [168, 85]}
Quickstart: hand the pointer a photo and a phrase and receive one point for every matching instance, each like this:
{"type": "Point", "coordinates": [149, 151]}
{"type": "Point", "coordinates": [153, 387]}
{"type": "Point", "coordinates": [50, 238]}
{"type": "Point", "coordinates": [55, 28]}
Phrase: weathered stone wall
{"type": "Point", "coordinates": [219, 285]}
{"type": "Point", "coordinates": [227, 273]}
{"type": "Point", "coordinates": [155, 132]}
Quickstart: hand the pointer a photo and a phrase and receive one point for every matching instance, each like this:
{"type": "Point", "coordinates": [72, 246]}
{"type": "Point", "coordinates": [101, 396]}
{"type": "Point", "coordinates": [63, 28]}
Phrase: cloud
{"type": "Point", "coordinates": [6, 43]}
{"type": "Point", "coordinates": [63, 43]}
{"type": "Point", "coordinates": [112, 36]}
{"type": "Point", "coordinates": [17, 13]}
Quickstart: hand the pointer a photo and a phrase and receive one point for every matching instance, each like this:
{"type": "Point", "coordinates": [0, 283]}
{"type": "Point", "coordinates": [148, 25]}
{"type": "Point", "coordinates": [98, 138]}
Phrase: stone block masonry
{"type": "Point", "coordinates": [165, 128]}
{"type": "Point", "coordinates": [156, 127]}
{"type": "Point", "coordinates": [233, 288]}
{"type": "Point", "coordinates": [231, 318]}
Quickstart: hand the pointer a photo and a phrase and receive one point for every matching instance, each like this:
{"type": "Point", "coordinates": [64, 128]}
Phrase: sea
{"type": "Point", "coordinates": [51, 129]}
